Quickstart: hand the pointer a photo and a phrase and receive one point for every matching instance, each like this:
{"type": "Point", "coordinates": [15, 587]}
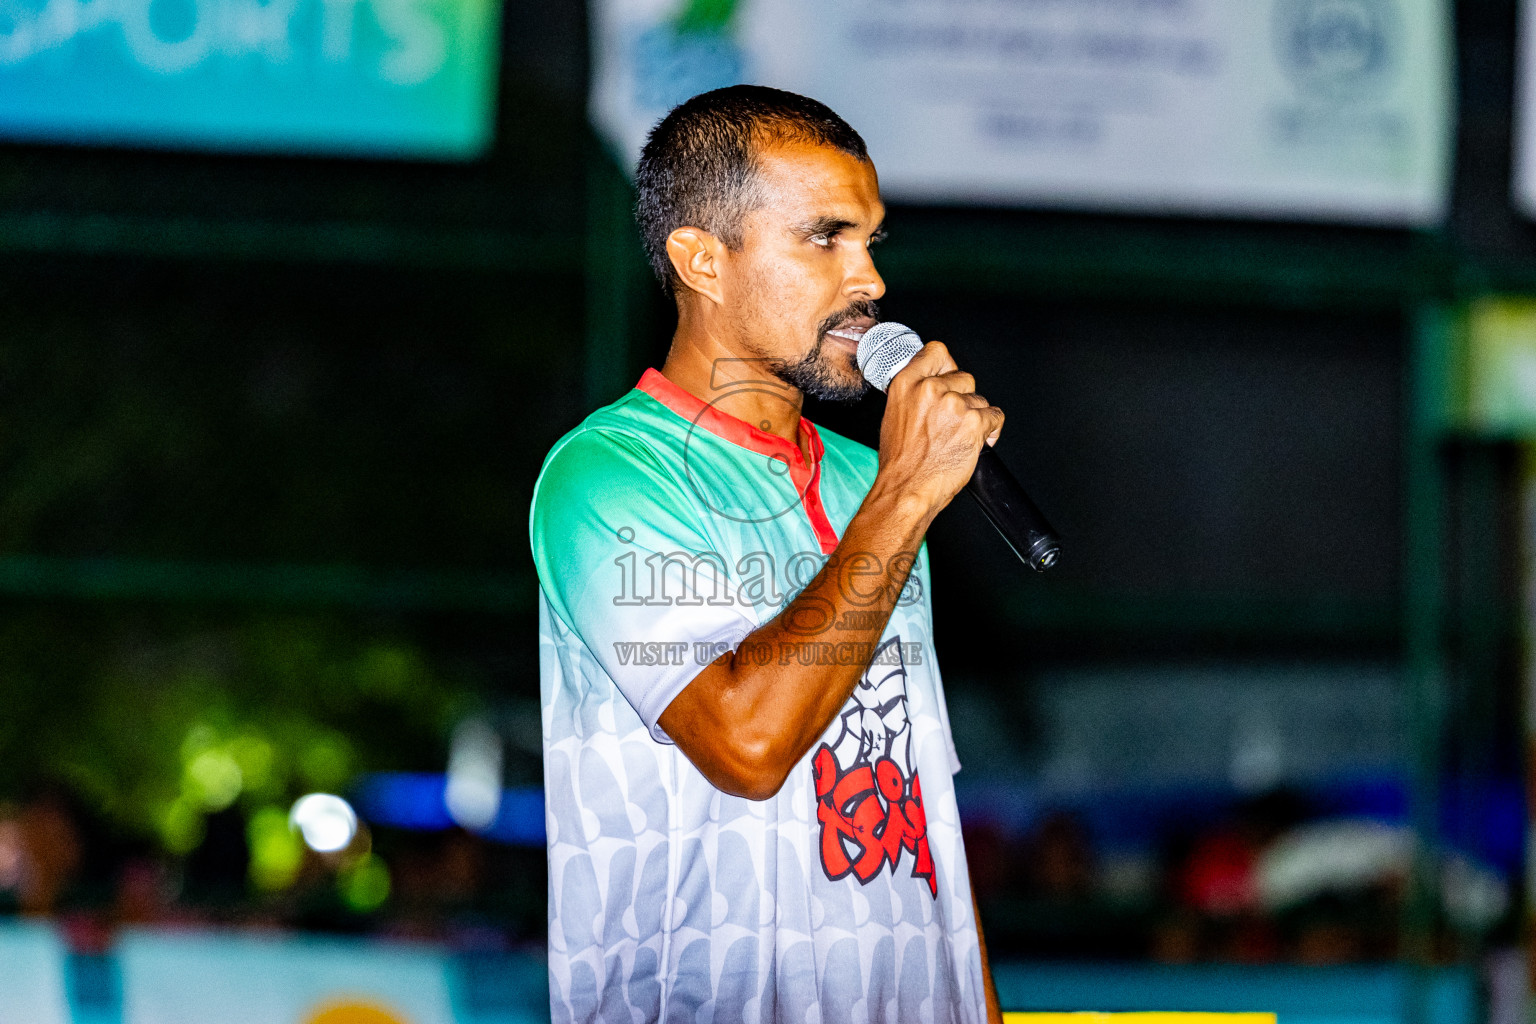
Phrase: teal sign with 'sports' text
{"type": "Point", "coordinates": [384, 78]}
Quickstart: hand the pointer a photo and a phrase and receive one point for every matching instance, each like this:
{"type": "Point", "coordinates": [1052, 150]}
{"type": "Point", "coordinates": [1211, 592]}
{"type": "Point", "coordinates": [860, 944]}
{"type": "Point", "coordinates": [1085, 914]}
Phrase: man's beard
{"type": "Point", "coordinates": [813, 375]}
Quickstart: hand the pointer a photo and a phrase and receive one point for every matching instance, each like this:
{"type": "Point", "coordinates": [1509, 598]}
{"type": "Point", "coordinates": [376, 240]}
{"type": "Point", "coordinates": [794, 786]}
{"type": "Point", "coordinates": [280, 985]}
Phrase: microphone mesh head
{"type": "Point", "coordinates": [884, 349]}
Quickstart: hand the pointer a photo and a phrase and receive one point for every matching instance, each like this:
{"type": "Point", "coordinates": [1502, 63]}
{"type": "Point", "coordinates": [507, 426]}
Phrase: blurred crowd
{"type": "Point", "coordinates": [1265, 882]}
{"type": "Point", "coordinates": [1262, 883]}
{"type": "Point", "coordinates": [60, 862]}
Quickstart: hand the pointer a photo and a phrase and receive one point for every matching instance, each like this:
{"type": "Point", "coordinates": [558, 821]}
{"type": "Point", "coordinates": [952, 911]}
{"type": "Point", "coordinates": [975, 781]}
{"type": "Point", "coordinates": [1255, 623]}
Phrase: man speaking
{"type": "Point", "coordinates": [748, 759]}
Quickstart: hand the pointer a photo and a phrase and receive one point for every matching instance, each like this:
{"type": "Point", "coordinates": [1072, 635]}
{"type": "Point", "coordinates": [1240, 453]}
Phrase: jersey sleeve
{"type": "Point", "coordinates": [623, 562]}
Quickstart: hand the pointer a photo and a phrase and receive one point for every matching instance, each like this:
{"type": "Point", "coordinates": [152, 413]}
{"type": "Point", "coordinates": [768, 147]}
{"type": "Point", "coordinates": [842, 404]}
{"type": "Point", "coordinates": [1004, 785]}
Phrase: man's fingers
{"type": "Point", "coordinates": [959, 380]}
{"type": "Point", "coordinates": [993, 417]}
{"type": "Point", "coordinates": [989, 416]}
{"type": "Point", "coordinates": [932, 360]}
{"type": "Point", "coordinates": [934, 371]}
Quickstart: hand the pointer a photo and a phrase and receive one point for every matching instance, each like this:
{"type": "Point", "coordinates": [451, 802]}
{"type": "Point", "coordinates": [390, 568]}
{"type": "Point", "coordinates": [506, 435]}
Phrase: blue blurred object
{"type": "Point", "coordinates": [415, 800]}
{"type": "Point", "coordinates": [411, 800]}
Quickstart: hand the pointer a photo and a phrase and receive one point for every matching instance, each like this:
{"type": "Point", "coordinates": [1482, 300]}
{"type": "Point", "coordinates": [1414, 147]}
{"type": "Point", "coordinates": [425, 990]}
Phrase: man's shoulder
{"type": "Point", "coordinates": [620, 450]}
{"type": "Point", "coordinates": [633, 432]}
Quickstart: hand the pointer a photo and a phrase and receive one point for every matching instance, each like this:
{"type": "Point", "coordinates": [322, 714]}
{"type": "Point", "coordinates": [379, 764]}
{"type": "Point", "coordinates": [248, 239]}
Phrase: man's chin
{"type": "Point", "coordinates": [829, 374]}
{"type": "Point", "coordinates": [850, 383]}
{"type": "Point", "coordinates": [838, 388]}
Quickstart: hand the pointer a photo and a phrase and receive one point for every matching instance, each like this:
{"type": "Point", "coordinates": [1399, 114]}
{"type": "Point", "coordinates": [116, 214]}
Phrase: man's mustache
{"type": "Point", "coordinates": [857, 310]}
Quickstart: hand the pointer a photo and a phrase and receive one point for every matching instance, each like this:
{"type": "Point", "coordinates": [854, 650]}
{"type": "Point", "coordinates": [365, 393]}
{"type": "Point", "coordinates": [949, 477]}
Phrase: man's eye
{"type": "Point", "coordinates": [822, 240]}
{"type": "Point", "coordinates": [876, 238]}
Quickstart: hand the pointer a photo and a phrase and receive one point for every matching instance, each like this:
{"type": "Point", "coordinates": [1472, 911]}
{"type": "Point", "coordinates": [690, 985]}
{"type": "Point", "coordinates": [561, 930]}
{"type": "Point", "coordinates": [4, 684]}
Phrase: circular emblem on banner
{"type": "Point", "coordinates": [1337, 49]}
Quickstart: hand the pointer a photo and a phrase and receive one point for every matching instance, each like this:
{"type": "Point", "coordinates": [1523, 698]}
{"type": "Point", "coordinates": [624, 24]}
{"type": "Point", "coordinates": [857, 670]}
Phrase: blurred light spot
{"type": "Point", "coordinates": [326, 822]}
{"type": "Point", "coordinates": [276, 853]}
{"type": "Point", "coordinates": [213, 779]}
{"type": "Point", "coordinates": [473, 792]}
{"type": "Point", "coordinates": [365, 885]}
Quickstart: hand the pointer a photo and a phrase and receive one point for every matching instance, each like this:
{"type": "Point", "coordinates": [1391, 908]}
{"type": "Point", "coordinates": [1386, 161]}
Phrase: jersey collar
{"type": "Point", "coordinates": [806, 478]}
{"type": "Point", "coordinates": [722, 424]}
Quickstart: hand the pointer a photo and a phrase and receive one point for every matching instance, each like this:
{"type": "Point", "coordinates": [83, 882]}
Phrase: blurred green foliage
{"type": "Point", "coordinates": [155, 723]}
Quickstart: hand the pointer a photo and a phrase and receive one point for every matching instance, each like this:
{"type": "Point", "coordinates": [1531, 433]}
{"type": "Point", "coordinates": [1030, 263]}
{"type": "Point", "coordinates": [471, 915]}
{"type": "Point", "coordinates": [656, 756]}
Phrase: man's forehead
{"type": "Point", "coordinates": [803, 181]}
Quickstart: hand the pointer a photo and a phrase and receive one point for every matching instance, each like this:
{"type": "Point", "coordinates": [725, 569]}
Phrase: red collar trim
{"type": "Point", "coordinates": [721, 424]}
{"type": "Point", "coordinates": [807, 479]}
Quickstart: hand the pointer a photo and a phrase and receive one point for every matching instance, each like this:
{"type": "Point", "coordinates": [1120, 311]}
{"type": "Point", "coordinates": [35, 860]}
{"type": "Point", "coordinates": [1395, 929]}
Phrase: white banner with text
{"type": "Point", "coordinates": [1314, 109]}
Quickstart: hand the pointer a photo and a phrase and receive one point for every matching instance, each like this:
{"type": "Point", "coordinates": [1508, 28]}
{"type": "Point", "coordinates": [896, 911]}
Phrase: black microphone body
{"type": "Point", "coordinates": [887, 347]}
{"type": "Point", "coordinates": [1010, 510]}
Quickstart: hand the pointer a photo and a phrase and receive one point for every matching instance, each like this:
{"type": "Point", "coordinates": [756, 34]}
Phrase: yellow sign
{"type": "Point", "coordinates": [352, 1011]}
{"type": "Point", "coordinates": [1158, 1017]}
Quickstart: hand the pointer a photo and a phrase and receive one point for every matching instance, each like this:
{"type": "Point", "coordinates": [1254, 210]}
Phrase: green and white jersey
{"type": "Point", "coordinates": [665, 532]}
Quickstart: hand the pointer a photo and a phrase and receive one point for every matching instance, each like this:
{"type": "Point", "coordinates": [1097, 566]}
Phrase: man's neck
{"type": "Point", "coordinates": [719, 372]}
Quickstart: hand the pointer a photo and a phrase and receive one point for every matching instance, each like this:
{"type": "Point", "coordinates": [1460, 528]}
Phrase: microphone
{"type": "Point", "coordinates": [883, 351]}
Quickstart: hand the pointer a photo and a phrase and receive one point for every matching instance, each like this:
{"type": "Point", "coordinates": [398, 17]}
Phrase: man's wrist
{"type": "Point", "coordinates": [899, 508]}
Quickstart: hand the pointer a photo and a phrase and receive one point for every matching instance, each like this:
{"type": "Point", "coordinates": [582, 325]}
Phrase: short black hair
{"type": "Point", "coordinates": [698, 165]}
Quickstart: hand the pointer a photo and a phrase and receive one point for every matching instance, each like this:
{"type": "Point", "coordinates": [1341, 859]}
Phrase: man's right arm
{"type": "Point", "coordinates": [746, 722]}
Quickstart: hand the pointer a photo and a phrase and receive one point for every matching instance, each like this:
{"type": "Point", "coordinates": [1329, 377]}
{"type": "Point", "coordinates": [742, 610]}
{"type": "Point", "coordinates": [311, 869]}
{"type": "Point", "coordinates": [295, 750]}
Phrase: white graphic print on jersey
{"type": "Point", "coordinates": [869, 799]}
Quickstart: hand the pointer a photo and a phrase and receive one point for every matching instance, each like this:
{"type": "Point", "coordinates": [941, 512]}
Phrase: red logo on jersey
{"type": "Point", "coordinates": [871, 810]}
{"type": "Point", "coordinates": [868, 819]}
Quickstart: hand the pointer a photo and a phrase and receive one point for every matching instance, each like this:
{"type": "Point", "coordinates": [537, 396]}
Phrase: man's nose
{"type": "Point", "coordinates": [864, 281]}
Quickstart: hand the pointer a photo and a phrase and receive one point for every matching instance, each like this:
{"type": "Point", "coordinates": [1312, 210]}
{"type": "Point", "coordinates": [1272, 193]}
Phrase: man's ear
{"type": "Point", "coordinates": [698, 257]}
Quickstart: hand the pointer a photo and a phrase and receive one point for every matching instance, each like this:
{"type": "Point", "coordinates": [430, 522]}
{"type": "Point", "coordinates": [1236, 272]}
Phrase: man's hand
{"type": "Point", "coordinates": [746, 723]}
{"type": "Point", "coordinates": [935, 424]}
